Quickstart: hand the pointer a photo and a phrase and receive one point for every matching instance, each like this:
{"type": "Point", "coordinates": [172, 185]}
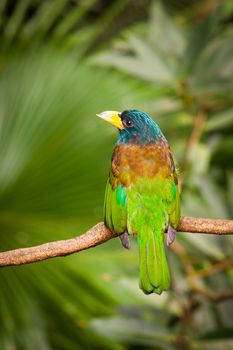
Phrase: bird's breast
{"type": "Point", "coordinates": [132, 162]}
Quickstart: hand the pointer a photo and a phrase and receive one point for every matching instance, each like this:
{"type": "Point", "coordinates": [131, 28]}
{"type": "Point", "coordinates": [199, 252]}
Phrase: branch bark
{"type": "Point", "coordinates": [194, 277]}
{"type": "Point", "coordinates": [99, 234]}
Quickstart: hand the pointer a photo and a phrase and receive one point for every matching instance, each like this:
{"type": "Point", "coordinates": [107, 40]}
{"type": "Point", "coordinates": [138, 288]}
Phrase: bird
{"type": "Point", "coordinates": [142, 195]}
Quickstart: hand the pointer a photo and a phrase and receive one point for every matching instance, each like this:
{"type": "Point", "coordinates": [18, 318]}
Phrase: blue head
{"type": "Point", "coordinates": [138, 128]}
{"type": "Point", "coordinates": [134, 126]}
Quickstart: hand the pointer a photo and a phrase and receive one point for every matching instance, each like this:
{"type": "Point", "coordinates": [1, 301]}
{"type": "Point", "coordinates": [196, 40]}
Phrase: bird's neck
{"type": "Point", "coordinates": [126, 137]}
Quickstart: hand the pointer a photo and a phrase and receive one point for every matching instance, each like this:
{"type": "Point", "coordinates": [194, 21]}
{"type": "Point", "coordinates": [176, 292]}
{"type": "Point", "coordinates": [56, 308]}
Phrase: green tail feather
{"type": "Point", "coordinates": [154, 272]}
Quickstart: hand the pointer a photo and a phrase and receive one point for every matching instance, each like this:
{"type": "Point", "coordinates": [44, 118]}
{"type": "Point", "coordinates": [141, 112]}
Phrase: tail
{"type": "Point", "coordinates": [154, 272]}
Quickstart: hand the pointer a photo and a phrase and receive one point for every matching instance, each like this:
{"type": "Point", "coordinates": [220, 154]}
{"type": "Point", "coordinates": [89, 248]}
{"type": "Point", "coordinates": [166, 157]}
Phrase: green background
{"type": "Point", "coordinates": [61, 62]}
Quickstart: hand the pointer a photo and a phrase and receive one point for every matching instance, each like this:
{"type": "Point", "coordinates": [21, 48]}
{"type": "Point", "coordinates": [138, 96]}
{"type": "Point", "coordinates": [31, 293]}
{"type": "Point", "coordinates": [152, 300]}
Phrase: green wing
{"type": "Point", "coordinates": [172, 200]}
{"type": "Point", "coordinates": [115, 205]}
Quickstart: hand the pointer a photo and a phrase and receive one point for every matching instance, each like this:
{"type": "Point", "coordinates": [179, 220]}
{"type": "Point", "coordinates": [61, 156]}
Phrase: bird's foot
{"type": "Point", "coordinates": [171, 235]}
{"type": "Point", "coordinates": [124, 237]}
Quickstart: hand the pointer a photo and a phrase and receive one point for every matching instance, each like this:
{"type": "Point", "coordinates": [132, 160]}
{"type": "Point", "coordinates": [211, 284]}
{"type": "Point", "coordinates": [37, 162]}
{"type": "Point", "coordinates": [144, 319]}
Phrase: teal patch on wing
{"type": "Point", "coordinates": [115, 208]}
{"type": "Point", "coordinates": [121, 195]}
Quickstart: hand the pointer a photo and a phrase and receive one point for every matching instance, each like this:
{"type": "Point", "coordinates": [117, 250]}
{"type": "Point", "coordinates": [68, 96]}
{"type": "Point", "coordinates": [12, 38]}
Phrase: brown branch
{"type": "Point", "coordinates": [100, 234]}
{"type": "Point", "coordinates": [96, 235]}
{"type": "Point", "coordinates": [214, 297]}
{"type": "Point", "coordinates": [216, 267]}
{"type": "Point", "coordinates": [194, 276]}
{"type": "Point", "coordinates": [204, 225]}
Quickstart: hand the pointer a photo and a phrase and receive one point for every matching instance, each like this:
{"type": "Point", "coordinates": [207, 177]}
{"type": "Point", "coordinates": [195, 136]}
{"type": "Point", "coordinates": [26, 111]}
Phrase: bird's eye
{"type": "Point", "coordinates": [128, 123]}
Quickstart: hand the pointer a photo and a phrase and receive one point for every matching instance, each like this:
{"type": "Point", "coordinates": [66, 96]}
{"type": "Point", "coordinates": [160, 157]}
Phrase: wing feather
{"type": "Point", "coordinates": [115, 206]}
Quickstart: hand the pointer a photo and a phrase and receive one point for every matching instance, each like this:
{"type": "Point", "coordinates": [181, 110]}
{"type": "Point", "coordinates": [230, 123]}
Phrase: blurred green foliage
{"type": "Point", "coordinates": [56, 74]}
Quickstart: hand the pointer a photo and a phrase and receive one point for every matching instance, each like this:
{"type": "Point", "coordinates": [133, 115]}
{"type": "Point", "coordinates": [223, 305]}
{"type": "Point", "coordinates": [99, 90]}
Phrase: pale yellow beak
{"type": "Point", "coordinates": [112, 117]}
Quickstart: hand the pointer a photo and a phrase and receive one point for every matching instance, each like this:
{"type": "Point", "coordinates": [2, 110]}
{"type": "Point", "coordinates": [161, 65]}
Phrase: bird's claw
{"type": "Point", "coordinates": [171, 235]}
{"type": "Point", "coordinates": [124, 237]}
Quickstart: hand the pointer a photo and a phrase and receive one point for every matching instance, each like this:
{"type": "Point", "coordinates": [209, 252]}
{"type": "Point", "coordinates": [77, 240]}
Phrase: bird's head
{"type": "Point", "coordinates": [134, 126]}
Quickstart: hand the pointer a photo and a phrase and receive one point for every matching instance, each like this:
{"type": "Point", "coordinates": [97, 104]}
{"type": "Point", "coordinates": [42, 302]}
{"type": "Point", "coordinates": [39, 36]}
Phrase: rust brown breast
{"type": "Point", "coordinates": [131, 162]}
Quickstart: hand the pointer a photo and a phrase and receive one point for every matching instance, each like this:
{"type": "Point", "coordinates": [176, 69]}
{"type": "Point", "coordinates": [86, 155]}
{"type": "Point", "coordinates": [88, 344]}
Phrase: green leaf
{"type": "Point", "coordinates": [213, 70]}
{"type": "Point", "coordinates": [221, 120]}
{"type": "Point", "coordinates": [222, 333]}
{"type": "Point", "coordinates": [146, 63]}
{"type": "Point", "coordinates": [164, 32]}
{"type": "Point", "coordinates": [199, 39]}
{"type": "Point", "coordinates": [54, 162]}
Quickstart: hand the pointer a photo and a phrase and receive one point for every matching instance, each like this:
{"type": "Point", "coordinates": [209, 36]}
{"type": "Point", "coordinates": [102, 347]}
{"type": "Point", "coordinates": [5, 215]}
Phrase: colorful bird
{"type": "Point", "coordinates": [142, 195]}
